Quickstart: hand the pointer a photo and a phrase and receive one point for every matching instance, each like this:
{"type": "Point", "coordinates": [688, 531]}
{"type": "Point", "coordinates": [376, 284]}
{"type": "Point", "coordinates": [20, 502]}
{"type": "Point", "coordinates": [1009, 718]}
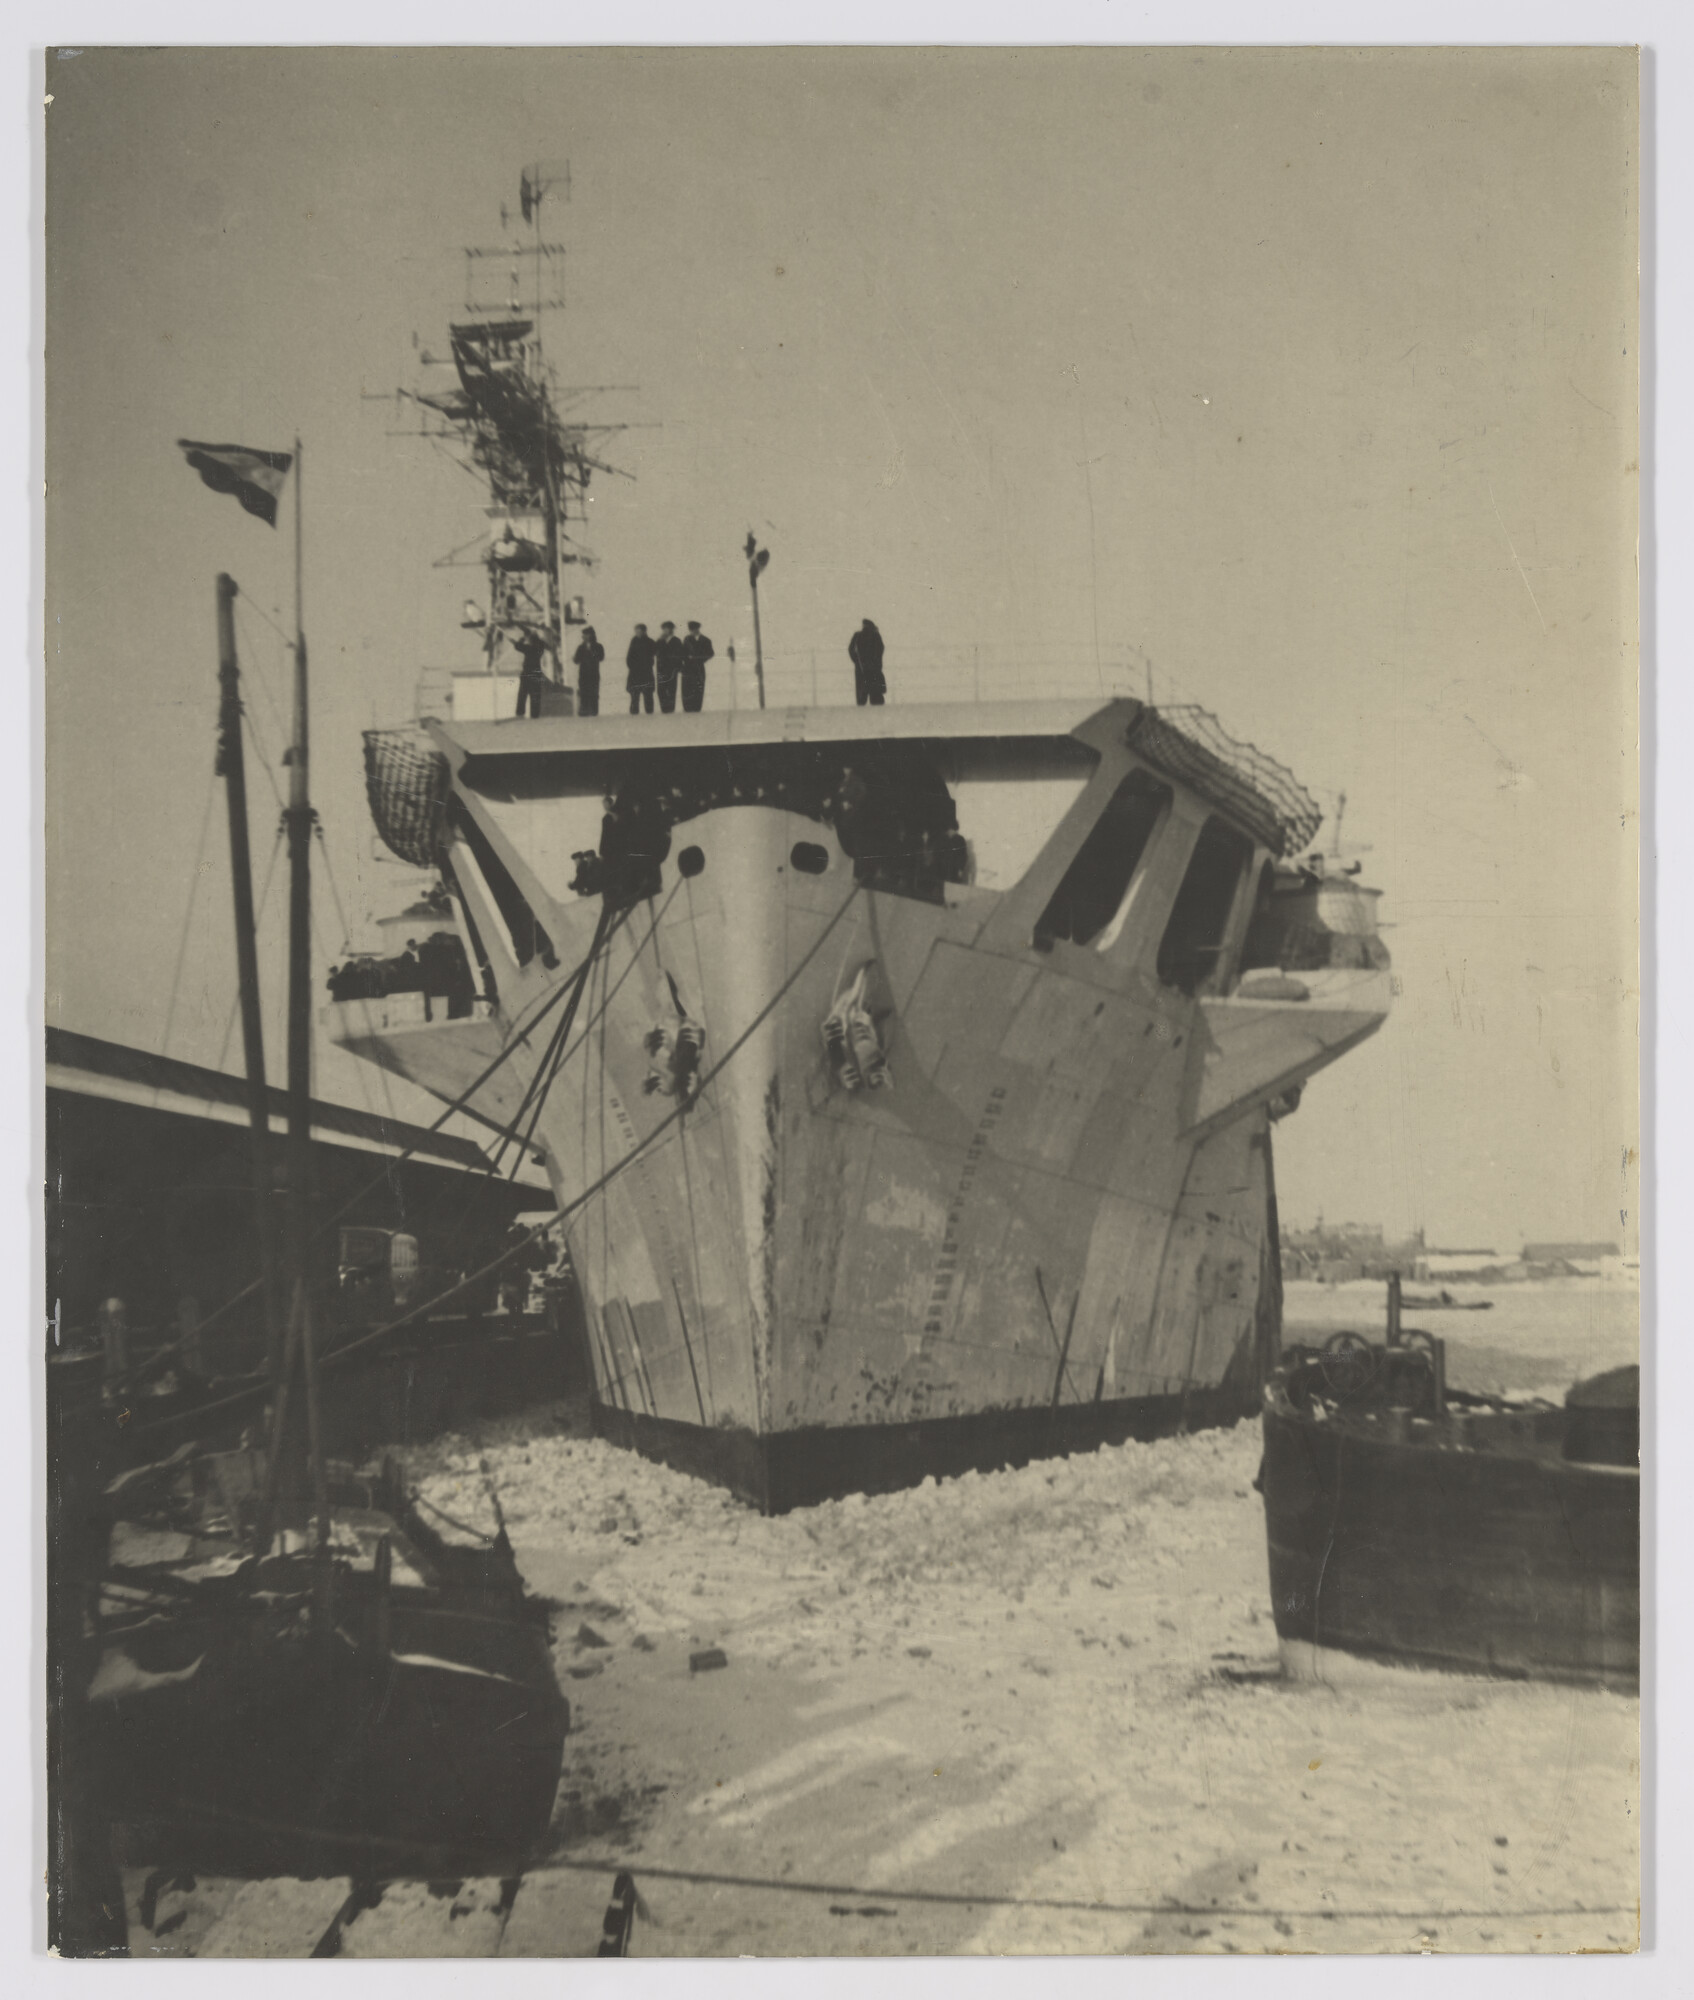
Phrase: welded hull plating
{"type": "Point", "coordinates": [1054, 1226]}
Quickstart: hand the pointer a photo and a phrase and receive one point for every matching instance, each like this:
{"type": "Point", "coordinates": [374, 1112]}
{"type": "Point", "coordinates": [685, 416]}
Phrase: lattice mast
{"type": "Point", "coordinates": [503, 414]}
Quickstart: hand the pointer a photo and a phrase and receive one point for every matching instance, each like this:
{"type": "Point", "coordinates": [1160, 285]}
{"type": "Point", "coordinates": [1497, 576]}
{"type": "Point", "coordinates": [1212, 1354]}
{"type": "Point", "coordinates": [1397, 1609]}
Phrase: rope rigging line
{"type": "Point", "coordinates": [554, 1061]}
{"type": "Point", "coordinates": [251, 724]}
{"type": "Point", "coordinates": [393, 1115]}
{"type": "Point", "coordinates": [188, 914]}
{"type": "Point", "coordinates": [588, 1027]}
{"type": "Point", "coordinates": [1169, 1907]}
{"type": "Point", "coordinates": [377, 1181]}
{"type": "Point", "coordinates": [347, 939]}
{"type": "Point", "coordinates": [519, 1036]}
{"type": "Point", "coordinates": [258, 919]}
{"type": "Point", "coordinates": [341, 1354]}
{"type": "Point", "coordinates": [505, 1133]}
{"type": "Point", "coordinates": [611, 1173]}
{"type": "Point", "coordinates": [612, 993]}
{"type": "Point", "coordinates": [242, 606]}
{"type": "Point", "coordinates": [318, 935]}
{"type": "Point", "coordinates": [546, 1074]}
{"type": "Point", "coordinates": [508, 1131]}
{"type": "Point", "coordinates": [688, 1201]}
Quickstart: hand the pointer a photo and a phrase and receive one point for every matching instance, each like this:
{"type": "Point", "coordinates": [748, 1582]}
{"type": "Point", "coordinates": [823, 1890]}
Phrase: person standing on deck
{"type": "Point", "coordinates": [864, 649]}
{"type": "Point", "coordinates": [406, 971]}
{"type": "Point", "coordinates": [532, 645]}
{"type": "Point", "coordinates": [696, 651]}
{"type": "Point", "coordinates": [587, 658]}
{"type": "Point", "coordinates": [669, 665]}
{"type": "Point", "coordinates": [639, 663]}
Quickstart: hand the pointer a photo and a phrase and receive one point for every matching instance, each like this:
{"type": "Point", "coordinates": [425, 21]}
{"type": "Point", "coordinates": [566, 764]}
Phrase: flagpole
{"type": "Point", "coordinates": [299, 817]}
{"type": "Point", "coordinates": [254, 478]}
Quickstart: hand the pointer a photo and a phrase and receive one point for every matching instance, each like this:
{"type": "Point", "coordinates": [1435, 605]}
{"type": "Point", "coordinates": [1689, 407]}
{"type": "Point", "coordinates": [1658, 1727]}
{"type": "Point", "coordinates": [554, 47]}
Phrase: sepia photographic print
{"type": "Point", "coordinates": [841, 1002]}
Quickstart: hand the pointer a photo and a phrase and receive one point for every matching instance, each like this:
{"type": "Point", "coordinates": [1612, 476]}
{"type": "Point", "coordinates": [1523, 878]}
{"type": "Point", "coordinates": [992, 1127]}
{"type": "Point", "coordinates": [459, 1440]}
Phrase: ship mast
{"type": "Point", "coordinates": [299, 819]}
{"type": "Point", "coordinates": [503, 413]}
{"type": "Point", "coordinates": [233, 768]}
{"type": "Point", "coordinates": [534, 187]}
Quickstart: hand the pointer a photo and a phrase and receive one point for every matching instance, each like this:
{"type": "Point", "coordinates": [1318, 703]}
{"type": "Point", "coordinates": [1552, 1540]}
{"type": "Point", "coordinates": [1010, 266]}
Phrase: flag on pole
{"type": "Point", "coordinates": [254, 477]}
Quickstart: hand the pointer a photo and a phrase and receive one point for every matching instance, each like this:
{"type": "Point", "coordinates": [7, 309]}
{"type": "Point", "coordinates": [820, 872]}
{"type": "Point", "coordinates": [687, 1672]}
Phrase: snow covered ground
{"type": "Point", "coordinates": [1033, 1711]}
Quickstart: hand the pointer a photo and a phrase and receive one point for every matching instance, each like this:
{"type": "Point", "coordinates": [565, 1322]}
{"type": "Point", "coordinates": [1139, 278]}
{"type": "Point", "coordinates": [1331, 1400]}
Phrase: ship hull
{"type": "Point", "coordinates": [800, 1468]}
{"type": "Point", "coordinates": [1028, 1207]}
{"type": "Point", "coordinates": [1012, 1249]}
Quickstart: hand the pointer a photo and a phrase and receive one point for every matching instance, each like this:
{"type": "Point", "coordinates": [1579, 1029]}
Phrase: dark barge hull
{"type": "Point", "coordinates": [371, 1769]}
{"type": "Point", "coordinates": [1511, 1563]}
{"type": "Point", "coordinates": [800, 1468]}
{"type": "Point", "coordinates": [420, 1733]}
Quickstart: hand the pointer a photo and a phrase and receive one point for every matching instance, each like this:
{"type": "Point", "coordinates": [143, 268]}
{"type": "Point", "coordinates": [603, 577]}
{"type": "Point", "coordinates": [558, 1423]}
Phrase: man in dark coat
{"type": "Point", "coordinates": [639, 662]}
{"type": "Point", "coordinates": [669, 665]}
{"type": "Point", "coordinates": [864, 649]}
{"type": "Point", "coordinates": [404, 974]}
{"type": "Point", "coordinates": [696, 651]}
{"type": "Point", "coordinates": [532, 644]}
{"type": "Point", "coordinates": [587, 658]}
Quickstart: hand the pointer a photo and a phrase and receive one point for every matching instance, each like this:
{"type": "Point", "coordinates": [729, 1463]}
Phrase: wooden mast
{"type": "Point", "coordinates": [232, 765]}
{"type": "Point", "coordinates": [298, 817]}
{"type": "Point", "coordinates": [300, 821]}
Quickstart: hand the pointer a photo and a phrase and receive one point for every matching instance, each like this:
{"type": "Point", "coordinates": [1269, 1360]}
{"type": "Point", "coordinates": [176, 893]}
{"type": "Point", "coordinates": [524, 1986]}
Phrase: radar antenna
{"type": "Point", "coordinates": [499, 415]}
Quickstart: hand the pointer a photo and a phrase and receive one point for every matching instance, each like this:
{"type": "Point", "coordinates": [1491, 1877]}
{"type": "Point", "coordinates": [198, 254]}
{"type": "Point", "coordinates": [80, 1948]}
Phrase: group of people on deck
{"type": "Point", "coordinates": [668, 666]}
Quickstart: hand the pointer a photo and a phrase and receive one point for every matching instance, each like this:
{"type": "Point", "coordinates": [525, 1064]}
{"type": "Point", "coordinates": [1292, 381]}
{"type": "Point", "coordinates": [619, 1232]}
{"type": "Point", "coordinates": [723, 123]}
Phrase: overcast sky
{"type": "Point", "coordinates": [1307, 378]}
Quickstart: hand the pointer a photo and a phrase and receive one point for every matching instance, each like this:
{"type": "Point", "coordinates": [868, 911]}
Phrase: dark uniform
{"type": "Point", "coordinates": [639, 662]}
{"type": "Point", "coordinates": [405, 973]}
{"type": "Point", "coordinates": [696, 651]}
{"type": "Point", "coordinates": [864, 649]}
{"type": "Point", "coordinates": [669, 665]}
{"type": "Point", "coordinates": [532, 650]}
{"type": "Point", "coordinates": [587, 658]}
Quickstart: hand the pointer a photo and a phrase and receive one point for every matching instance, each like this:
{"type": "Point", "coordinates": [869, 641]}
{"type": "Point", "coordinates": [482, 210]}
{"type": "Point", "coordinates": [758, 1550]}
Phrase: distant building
{"type": "Point", "coordinates": [1567, 1253]}
{"type": "Point", "coordinates": [1457, 1264]}
{"type": "Point", "coordinates": [1339, 1253]}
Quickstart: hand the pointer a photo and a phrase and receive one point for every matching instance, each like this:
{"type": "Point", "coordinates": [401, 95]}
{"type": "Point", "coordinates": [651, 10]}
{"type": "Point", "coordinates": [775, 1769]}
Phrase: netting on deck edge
{"type": "Point", "coordinates": [1187, 742]}
{"type": "Point", "coordinates": [406, 781]}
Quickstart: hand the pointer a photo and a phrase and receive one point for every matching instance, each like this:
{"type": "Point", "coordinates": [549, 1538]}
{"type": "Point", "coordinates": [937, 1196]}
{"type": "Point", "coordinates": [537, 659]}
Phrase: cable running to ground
{"type": "Point", "coordinates": [341, 1354]}
{"type": "Point", "coordinates": [518, 1038]}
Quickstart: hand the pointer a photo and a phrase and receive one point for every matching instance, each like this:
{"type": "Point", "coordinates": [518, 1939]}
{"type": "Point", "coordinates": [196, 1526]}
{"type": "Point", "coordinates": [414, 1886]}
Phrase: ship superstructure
{"type": "Point", "coordinates": [908, 1073]}
{"type": "Point", "coordinates": [495, 403]}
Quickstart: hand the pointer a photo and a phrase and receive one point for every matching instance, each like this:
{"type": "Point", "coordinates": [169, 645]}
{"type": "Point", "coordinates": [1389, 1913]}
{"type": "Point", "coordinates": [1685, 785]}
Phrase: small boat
{"type": "Point", "coordinates": [264, 1664]}
{"type": "Point", "coordinates": [1415, 1524]}
{"type": "Point", "coordinates": [384, 1708]}
{"type": "Point", "coordinates": [1445, 1302]}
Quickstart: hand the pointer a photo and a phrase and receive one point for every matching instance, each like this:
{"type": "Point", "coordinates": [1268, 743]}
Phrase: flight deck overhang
{"type": "Point", "coordinates": [593, 737]}
{"type": "Point", "coordinates": [1183, 743]}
